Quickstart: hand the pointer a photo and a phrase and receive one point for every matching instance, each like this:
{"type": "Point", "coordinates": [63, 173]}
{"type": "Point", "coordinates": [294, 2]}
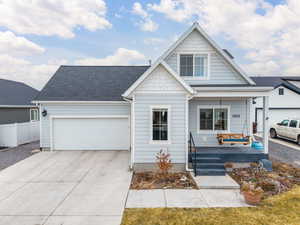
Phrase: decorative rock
{"type": "Point", "coordinates": [266, 164]}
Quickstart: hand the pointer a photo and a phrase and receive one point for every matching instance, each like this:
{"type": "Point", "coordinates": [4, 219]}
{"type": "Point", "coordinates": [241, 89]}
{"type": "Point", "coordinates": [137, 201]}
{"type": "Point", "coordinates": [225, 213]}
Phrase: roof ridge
{"type": "Point", "coordinates": [105, 66]}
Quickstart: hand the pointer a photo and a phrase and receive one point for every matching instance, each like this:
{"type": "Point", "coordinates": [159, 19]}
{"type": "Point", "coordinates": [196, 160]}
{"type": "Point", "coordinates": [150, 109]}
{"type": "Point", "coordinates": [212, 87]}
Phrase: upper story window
{"type": "Point", "coordinates": [281, 91]}
{"type": "Point", "coordinates": [194, 65]}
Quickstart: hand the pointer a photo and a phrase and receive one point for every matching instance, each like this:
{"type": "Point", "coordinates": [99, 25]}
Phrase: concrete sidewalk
{"type": "Point", "coordinates": [181, 198]}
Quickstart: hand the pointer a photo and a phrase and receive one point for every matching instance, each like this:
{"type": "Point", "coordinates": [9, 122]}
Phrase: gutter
{"type": "Point", "coordinates": [131, 132]}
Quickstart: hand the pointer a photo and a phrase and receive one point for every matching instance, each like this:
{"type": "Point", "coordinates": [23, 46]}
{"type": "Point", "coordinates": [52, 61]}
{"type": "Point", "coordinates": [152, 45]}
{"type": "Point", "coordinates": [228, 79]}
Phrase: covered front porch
{"type": "Point", "coordinates": [226, 112]}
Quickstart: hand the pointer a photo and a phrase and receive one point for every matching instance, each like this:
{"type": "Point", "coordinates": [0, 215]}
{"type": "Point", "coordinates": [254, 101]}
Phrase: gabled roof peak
{"type": "Point", "coordinates": [228, 59]}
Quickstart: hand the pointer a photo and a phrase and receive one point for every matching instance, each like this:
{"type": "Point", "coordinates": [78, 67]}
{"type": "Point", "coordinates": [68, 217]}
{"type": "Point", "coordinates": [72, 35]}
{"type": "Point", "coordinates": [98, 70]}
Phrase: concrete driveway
{"type": "Point", "coordinates": [69, 188]}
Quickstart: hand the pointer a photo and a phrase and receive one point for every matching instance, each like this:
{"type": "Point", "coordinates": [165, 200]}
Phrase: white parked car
{"type": "Point", "coordinates": [288, 129]}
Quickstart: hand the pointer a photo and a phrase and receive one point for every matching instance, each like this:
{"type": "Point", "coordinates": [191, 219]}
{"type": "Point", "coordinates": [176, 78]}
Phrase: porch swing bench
{"type": "Point", "coordinates": [233, 138]}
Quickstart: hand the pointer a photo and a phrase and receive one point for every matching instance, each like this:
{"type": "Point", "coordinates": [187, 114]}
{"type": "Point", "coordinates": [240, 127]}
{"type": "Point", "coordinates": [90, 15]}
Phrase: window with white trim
{"type": "Point", "coordinates": [34, 115]}
{"type": "Point", "coordinates": [160, 124]}
{"type": "Point", "coordinates": [193, 65]}
{"type": "Point", "coordinates": [213, 118]}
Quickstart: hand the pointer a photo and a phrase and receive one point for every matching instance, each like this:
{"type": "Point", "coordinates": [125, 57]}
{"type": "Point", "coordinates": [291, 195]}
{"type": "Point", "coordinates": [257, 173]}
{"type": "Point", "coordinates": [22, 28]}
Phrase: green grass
{"type": "Point", "coordinates": [282, 209]}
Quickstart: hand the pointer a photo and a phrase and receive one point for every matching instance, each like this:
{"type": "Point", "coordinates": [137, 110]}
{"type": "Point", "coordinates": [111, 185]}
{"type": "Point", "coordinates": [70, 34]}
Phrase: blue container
{"type": "Point", "coordinates": [257, 145]}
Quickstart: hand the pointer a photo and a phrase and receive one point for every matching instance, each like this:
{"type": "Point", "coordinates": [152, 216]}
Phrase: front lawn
{"type": "Point", "coordinates": [283, 209]}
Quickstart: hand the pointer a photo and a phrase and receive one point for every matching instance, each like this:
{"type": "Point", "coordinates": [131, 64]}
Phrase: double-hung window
{"type": "Point", "coordinates": [194, 65]}
{"type": "Point", "coordinates": [160, 124]}
{"type": "Point", "coordinates": [213, 118]}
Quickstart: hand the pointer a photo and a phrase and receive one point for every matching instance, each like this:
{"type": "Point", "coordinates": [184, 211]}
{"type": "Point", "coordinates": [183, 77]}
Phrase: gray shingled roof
{"type": "Point", "coordinates": [16, 93]}
{"type": "Point", "coordinates": [276, 81]}
{"type": "Point", "coordinates": [90, 83]}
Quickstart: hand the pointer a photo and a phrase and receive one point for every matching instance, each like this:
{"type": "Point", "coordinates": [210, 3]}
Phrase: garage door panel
{"type": "Point", "coordinates": [276, 116]}
{"type": "Point", "coordinates": [91, 134]}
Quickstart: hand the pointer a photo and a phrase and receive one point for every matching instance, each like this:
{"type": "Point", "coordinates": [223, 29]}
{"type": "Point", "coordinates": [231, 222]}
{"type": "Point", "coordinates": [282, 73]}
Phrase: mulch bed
{"type": "Point", "coordinates": [283, 177]}
{"type": "Point", "coordinates": [152, 180]}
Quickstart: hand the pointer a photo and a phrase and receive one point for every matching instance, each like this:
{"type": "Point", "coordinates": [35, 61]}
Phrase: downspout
{"type": "Point", "coordinates": [40, 123]}
{"type": "Point", "coordinates": [131, 132]}
{"type": "Point", "coordinates": [188, 98]}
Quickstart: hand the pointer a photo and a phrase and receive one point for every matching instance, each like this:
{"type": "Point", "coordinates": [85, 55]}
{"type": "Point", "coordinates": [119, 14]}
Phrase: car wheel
{"type": "Point", "coordinates": [273, 133]}
{"type": "Point", "coordinates": [298, 141]}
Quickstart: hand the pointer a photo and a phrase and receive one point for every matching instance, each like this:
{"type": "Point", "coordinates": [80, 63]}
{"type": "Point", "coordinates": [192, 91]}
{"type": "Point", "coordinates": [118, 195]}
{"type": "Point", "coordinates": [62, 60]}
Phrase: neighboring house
{"type": "Point", "coordinates": [15, 102]}
{"type": "Point", "coordinates": [192, 92]}
{"type": "Point", "coordinates": [284, 99]}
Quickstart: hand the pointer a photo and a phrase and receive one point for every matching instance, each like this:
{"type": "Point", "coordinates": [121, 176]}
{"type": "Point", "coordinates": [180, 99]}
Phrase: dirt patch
{"type": "Point", "coordinates": [283, 177]}
{"type": "Point", "coordinates": [152, 180]}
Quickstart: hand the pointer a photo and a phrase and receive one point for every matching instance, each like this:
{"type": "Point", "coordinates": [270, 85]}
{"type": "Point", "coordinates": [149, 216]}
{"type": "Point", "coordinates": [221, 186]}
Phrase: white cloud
{"type": "Point", "coordinates": [256, 68]}
{"type": "Point", "coordinates": [53, 17]}
{"type": "Point", "coordinates": [268, 38]}
{"type": "Point", "coordinates": [153, 41]}
{"type": "Point", "coordinates": [14, 45]}
{"type": "Point", "coordinates": [146, 23]}
{"type": "Point", "coordinates": [22, 70]}
{"type": "Point", "coordinates": [121, 57]}
{"type": "Point", "coordinates": [178, 10]}
{"type": "Point", "coordinates": [138, 10]}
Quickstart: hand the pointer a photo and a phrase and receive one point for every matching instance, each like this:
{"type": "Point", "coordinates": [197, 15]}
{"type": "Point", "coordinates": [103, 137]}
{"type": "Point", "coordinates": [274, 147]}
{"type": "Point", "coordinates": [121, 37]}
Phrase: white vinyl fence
{"type": "Point", "coordinates": [12, 135]}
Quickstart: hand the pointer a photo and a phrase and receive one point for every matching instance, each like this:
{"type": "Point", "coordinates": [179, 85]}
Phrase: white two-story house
{"type": "Point", "coordinates": [190, 95]}
{"type": "Point", "coordinates": [284, 100]}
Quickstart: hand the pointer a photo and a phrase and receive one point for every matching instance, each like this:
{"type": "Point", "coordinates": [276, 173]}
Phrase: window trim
{"type": "Point", "coordinates": [213, 107]}
{"type": "Point", "coordinates": [194, 77]}
{"type": "Point", "coordinates": [164, 142]}
{"type": "Point", "coordinates": [37, 113]}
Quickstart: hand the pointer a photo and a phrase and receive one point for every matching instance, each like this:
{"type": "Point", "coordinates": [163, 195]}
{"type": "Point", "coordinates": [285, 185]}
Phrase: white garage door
{"type": "Point", "coordinates": [276, 116]}
{"type": "Point", "coordinates": [90, 134]}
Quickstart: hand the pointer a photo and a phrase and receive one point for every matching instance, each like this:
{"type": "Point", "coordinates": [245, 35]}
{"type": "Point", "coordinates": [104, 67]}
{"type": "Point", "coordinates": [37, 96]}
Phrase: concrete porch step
{"type": "Point", "coordinates": [215, 182]}
{"type": "Point", "coordinates": [210, 172]}
{"type": "Point", "coordinates": [210, 165]}
{"type": "Point", "coordinates": [200, 159]}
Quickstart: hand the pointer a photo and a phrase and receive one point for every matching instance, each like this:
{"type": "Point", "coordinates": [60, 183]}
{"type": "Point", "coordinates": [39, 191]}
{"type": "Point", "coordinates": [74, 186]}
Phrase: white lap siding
{"type": "Point", "coordinates": [77, 110]}
{"type": "Point", "coordinates": [220, 71]}
{"type": "Point", "coordinates": [145, 151]}
{"type": "Point", "coordinates": [237, 124]}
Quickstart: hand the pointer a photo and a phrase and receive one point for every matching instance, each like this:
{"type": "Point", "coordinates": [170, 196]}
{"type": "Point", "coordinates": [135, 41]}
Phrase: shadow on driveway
{"type": "Point", "coordinates": [10, 156]}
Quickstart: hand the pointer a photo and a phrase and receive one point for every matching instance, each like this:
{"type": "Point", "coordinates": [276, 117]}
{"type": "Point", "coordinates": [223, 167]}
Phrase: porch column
{"type": "Point", "coordinates": [266, 124]}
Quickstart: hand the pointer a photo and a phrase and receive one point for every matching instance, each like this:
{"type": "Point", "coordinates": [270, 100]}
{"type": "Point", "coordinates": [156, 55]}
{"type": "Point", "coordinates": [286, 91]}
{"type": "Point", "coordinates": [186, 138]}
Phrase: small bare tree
{"type": "Point", "coordinates": [163, 163]}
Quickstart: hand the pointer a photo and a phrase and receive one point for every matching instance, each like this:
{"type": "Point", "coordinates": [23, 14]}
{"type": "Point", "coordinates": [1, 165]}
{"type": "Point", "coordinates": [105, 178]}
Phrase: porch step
{"type": "Point", "coordinates": [200, 159]}
{"type": "Point", "coordinates": [210, 165]}
{"type": "Point", "coordinates": [210, 172]}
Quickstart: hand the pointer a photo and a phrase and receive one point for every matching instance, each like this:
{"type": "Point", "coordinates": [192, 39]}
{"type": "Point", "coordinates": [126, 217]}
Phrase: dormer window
{"type": "Point", "coordinates": [194, 65]}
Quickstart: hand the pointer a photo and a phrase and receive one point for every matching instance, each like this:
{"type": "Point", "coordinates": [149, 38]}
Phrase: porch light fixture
{"type": "Point", "coordinates": [44, 113]}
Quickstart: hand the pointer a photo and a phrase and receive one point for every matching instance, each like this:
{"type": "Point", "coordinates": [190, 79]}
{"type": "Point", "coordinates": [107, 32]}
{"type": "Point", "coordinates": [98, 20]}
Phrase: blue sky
{"type": "Point", "coordinates": [102, 32]}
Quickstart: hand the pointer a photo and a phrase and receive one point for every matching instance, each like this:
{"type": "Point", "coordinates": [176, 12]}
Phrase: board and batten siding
{"type": "Point", "coordinates": [220, 71]}
{"type": "Point", "coordinates": [236, 125]}
{"type": "Point", "coordinates": [77, 110]}
{"type": "Point", "coordinates": [145, 151]}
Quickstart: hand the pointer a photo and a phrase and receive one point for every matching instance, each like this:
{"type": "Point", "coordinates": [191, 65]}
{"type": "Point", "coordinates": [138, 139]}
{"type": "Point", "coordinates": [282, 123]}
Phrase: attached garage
{"type": "Point", "coordinates": [276, 115]}
{"type": "Point", "coordinates": [90, 133]}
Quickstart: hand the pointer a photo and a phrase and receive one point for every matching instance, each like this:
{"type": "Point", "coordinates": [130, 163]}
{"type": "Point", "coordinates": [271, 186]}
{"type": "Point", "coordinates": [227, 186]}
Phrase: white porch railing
{"type": "Point", "coordinates": [15, 134]}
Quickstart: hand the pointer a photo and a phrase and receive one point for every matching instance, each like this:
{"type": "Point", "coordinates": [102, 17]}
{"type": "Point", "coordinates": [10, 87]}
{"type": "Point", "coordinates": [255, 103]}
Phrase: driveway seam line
{"type": "Point", "coordinates": [26, 182]}
{"type": "Point", "coordinates": [72, 189]}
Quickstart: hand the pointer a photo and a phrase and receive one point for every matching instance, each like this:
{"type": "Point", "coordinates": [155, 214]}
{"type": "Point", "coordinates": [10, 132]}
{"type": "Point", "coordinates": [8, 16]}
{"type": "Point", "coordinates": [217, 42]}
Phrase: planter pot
{"type": "Point", "coordinates": [252, 199]}
{"type": "Point", "coordinates": [229, 169]}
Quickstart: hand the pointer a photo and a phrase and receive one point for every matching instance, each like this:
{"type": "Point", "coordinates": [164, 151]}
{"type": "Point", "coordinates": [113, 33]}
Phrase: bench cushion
{"type": "Point", "coordinates": [236, 140]}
